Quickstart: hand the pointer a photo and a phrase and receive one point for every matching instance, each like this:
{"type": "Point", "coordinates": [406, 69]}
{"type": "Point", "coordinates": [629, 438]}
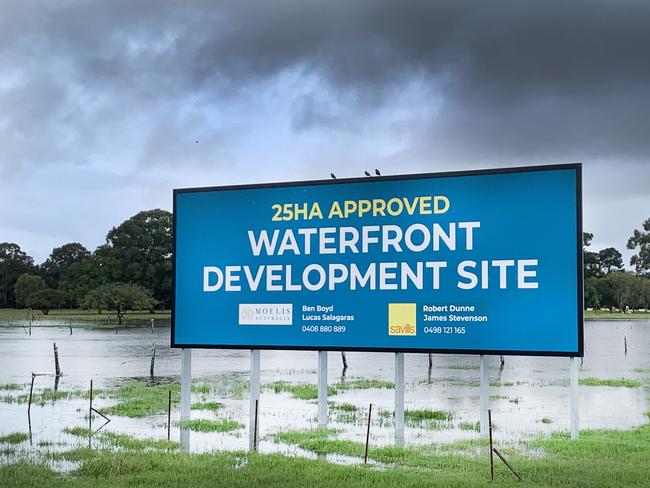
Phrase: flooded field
{"type": "Point", "coordinates": [529, 395]}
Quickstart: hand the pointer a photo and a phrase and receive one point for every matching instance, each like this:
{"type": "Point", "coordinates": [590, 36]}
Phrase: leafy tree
{"type": "Point", "coordinates": [45, 299]}
{"type": "Point", "coordinates": [625, 290]}
{"type": "Point", "coordinates": [120, 298]}
{"type": "Point", "coordinates": [592, 296]}
{"type": "Point", "coordinates": [601, 263]}
{"type": "Point", "coordinates": [644, 294]}
{"type": "Point", "coordinates": [13, 262]}
{"type": "Point", "coordinates": [80, 278]}
{"type": "Point", "coordinates": [60, 259]}
{"type": "Point", "coordinates": [609, 259]}
{"type": "Point", "coordinates": [605, 289]}
{"type": "Point", "coordinates": [26, 284]}
{"type": "Point", "coordinates": [641, 240]}
{"type": "Point", "coordinates": [139, 251]}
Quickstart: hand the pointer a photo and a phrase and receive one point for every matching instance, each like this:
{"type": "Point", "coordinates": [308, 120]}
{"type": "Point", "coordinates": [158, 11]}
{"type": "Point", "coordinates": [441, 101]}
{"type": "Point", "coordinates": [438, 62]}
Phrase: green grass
{"type": "Point", "coordinates": [319, 441]}
{"type": "Point", "coordinates": [78, 316]}
{"type": "Point", "coordinates": [614, 382]}
{"type": "Point", "coordinates": [598, 458]}
{"type": "Point", "coordinates": [78, 431]}
{"type": "Point", "coordinates": [47, 395]}
{"type": "Point", "coordinates": [303, 391]}
{"type": "Point", "coordinates": [137, 399]}
{"type": "Point", "coordinates": [14, 438]}
{"type": "Point", "coordinates": [476, 426]}
{"type": "Point", "coordinates": [10, 386]}
{"type": "Point", "coordinates": [363, 384]}
{"type": "Point", "coordinates": [502, 383]}
{"type": "Point", "coordinates": [131, 443]}
{"type": "Point", "coordinates": [343, 407]}
{"type": "Point", "coordinates": [203, 425]}
{"type": "Point", "coordinates": [605, 315]}
{"type": "Point", "coordinates": [419, 415]}
{"type": "Point", "coordinates": [300, 391]}
{"type": "Point", "coordinates": [546, 420]}
{"type": "Point", "coordinates": [214, 406]}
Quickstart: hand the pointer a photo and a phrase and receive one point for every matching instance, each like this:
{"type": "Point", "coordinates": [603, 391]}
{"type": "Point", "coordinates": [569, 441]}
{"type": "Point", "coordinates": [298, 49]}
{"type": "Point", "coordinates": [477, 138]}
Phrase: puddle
{"type": "Point", "coordinates": [529, 395]}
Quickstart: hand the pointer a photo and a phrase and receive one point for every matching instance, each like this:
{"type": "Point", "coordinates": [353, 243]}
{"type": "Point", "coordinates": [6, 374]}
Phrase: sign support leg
{"type": "Point", "coordinates": [186, 395]}
{"type": "Point", "coordinates": [399, 398]}
{"type": "Point", "coordinates": [254, 397]}
{"type": "Point", "coordinates": [575, 428]}
{"type": "Point", "coordinates": [485, 394]}
{"type": "Point", "coordinates": [322, 389]}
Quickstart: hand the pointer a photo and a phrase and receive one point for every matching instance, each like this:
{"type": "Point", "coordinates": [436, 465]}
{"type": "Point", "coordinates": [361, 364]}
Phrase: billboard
{"type": "Point", "coordinates": [485, 261]}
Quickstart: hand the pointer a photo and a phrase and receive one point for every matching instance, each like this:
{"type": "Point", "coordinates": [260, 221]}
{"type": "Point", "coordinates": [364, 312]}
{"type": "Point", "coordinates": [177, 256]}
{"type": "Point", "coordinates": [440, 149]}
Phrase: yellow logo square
{"type": "Point", "coordinates": [402, 319]}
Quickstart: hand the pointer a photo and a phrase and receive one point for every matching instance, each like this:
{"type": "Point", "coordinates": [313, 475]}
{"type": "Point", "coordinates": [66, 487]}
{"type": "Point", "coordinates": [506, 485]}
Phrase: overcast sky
{"type": "Point", "coordinates": [106, 106]}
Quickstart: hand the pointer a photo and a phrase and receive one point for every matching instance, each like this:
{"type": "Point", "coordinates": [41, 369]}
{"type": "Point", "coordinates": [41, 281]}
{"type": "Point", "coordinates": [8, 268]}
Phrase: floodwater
{"type": "Point", "coordinates": [529, 395]}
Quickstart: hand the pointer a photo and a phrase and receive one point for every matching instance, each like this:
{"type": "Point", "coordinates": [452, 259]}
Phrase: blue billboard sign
{"type": "Point", "coordinates": [483, 261]}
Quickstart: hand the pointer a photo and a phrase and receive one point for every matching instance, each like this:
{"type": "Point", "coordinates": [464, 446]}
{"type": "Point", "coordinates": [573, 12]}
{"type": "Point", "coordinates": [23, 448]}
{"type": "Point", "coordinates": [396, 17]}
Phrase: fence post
{"type": "Point", "coordinates": [365, 456]}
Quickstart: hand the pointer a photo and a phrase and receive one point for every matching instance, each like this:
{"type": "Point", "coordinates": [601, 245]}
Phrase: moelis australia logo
{"type": "Point", "coordinates": [402, 319]}
{"type": "Point", "coordinates": [265, 314]}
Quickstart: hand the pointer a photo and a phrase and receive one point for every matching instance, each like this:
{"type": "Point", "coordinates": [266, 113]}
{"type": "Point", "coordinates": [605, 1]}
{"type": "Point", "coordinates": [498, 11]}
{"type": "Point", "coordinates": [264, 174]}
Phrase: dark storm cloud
{"type": "Point", "coordinates": [515, 76]}
{"type": "Point", "coordinates": [123, 86]}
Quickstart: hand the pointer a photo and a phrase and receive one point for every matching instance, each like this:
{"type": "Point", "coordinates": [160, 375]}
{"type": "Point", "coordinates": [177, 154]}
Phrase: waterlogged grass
{"type": "Point", "coordinates": [419, 415]}
{"type": "Point", "coordinates": [363, 384]}
{"type": "Point", "coordinates": [598, 458]}
{"type": "Point", "coordinates": [125, 441]}
{"type": "Point", "coordinates": [475, 426]}
{"type": "Point", "coordinates": [320, 441]}
{"type": "Point", "coordinates": [137, 399]}
{"type": "Point", "coordinates": [304, 391]}
{"type": "Point", "coordinates": [214, 406]}
{"type": "Point", "coordinates": [47, 395]}
{"type": "Point", "coordinates": [614, 382]}
{"type": "Point", "coordinates": [299, 391]}
{"type": "Point", "coordinates": [14, 438]}
{"type": "Point", "coordinates": [78, 431]}
{"type": "Point", "coordinates": [204, 425]}
{"type": "Point", "coordinates": [344, 407]}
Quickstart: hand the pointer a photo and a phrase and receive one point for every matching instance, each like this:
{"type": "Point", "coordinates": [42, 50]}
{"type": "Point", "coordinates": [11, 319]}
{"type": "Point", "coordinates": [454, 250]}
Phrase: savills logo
{"type": "Point", "coordinates": [265, 314]}
{"type": "Point", "coordinates": [402, 319]}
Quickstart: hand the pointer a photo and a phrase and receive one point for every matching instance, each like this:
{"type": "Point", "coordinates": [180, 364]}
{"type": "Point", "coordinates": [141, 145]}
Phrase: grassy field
{"type": "Point", "coordinates": [604, 315]}
{"type": "Point", "coordinates": [599, 458]}
{"type": "Point", "coordinates": [140, 317]}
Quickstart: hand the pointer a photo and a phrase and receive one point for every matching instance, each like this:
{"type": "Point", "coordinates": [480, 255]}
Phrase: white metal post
{"type": "Point", "coordinates": [254, 397]}
{"type": "Point", "coordinates": [575, 427]}
{"type": "Point", "coordinates": [399, 398]}
{"type": "Point", "coordinates": [186, 395]}
{"type": "Point", "coordinates": [322, 389]}
{"type": "Point", "coordinates": [485, 393]}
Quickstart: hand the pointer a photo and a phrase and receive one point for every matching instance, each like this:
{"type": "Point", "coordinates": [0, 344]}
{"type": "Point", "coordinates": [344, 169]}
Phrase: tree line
{"type": "Point", "coordinates": [133, 270]}
{"type": "Point", "coordinates": [607, 284]}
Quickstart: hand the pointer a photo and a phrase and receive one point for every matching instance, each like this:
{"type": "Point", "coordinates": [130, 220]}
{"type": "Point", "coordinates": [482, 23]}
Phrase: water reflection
{"type": "Point", "coordinates": [529, 394]}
